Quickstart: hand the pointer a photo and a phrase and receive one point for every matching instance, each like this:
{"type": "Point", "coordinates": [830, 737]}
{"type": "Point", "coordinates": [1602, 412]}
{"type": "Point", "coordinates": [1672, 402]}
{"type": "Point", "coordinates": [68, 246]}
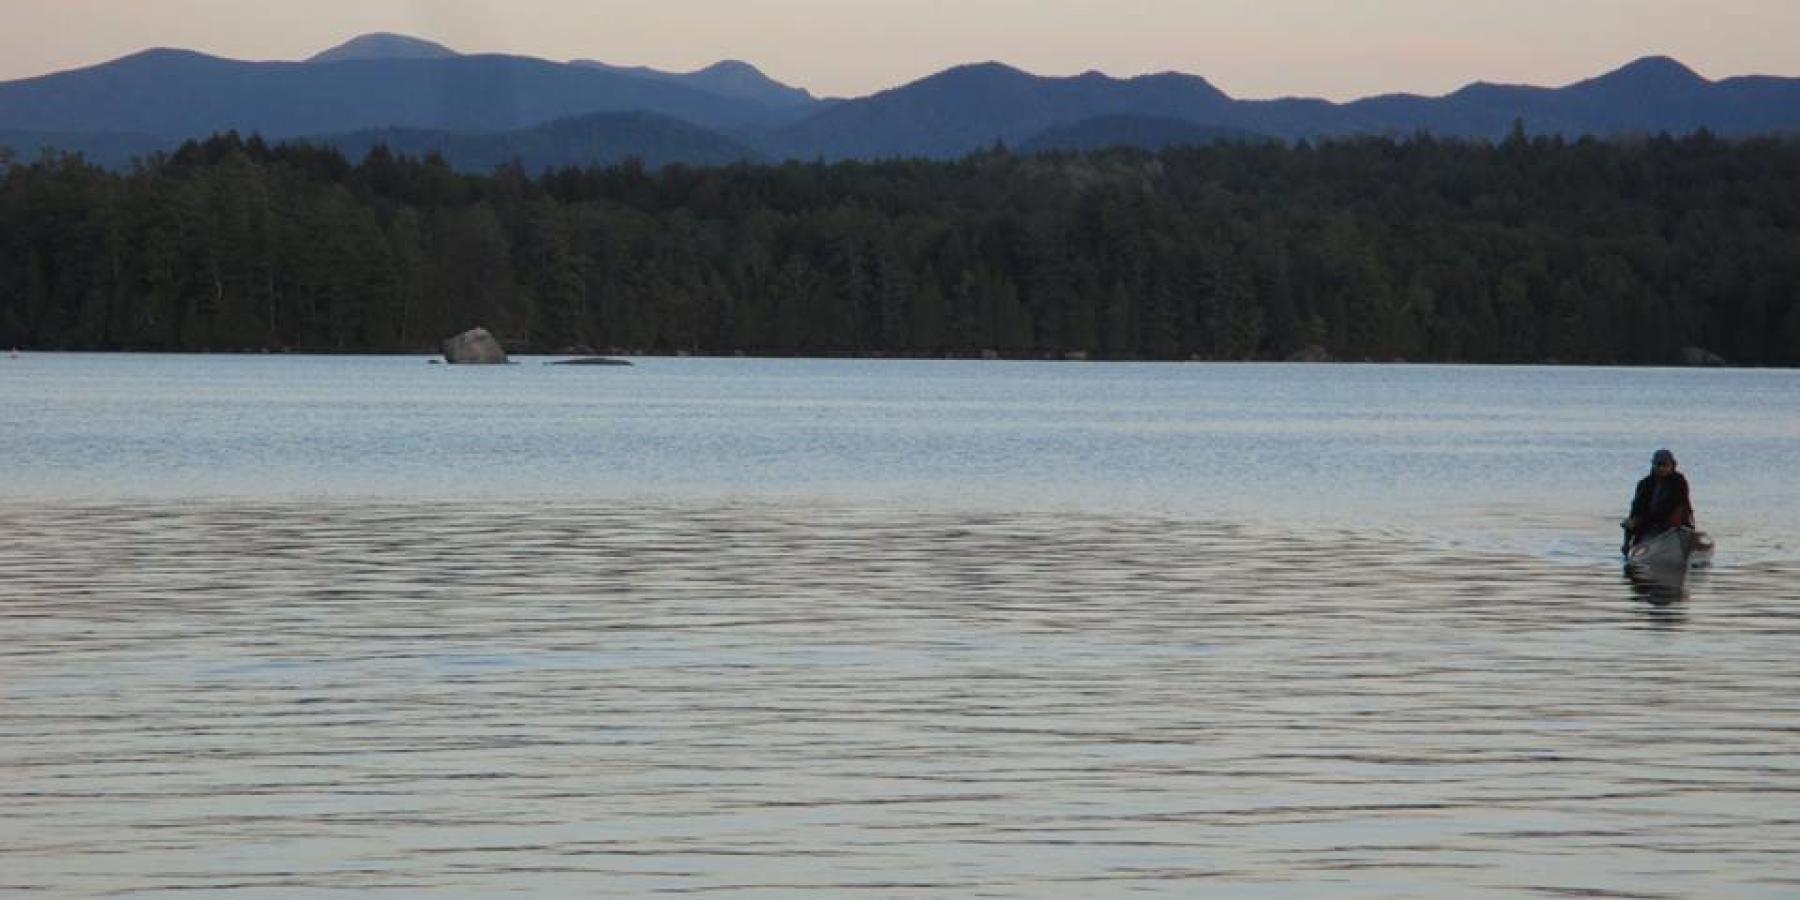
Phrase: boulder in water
{"type": "Point", "coordinates": [1700, 356]}
{"type": "Point", "coordinates": [476, 346]}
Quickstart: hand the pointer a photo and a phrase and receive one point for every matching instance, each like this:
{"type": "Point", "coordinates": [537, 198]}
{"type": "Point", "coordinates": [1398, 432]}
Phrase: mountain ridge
{"type": "Point", "coordinates": [406, 85]}
{"type": "Point", "coordinates": [178, 93]}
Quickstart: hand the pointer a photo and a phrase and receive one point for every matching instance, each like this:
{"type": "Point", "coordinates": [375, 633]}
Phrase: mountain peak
{"type": "Point", "coordinates": [734, 77]}
{"type": "Point", "coordinates": [983, 83]}
{"type": "Point", "coordinates": [989, 68]}
{"type": "Point", "coordinates": [384, 46]}
{"type": "Point", "coordinates": [985, 76]}
{"type": "Point", "coordinates": [726, 78]}
{"type": "Point", "coordinates": [1181, 82]}
{"type": "Point", "coordinates": [1648, 75]}
{"type": "Point", "coordinates": [735, 67]}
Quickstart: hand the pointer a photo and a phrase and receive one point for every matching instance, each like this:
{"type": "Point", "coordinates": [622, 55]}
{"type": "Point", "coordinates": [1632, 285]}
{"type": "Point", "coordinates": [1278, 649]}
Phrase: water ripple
{"type": "Point", "coordinates": [768, 699]}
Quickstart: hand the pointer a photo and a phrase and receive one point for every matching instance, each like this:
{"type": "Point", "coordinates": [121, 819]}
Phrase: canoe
{"type": "Point", "coordinates": [1677, 548]}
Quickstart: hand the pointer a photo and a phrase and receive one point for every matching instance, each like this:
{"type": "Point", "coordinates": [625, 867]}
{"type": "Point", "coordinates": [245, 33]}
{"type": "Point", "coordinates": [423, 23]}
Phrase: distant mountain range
{"type": "Point", "coordinates": [479, 110]}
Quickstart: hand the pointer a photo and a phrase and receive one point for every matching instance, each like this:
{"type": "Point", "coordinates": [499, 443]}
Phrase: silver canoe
{"type": "Point", "coordinates": [1677, 548]}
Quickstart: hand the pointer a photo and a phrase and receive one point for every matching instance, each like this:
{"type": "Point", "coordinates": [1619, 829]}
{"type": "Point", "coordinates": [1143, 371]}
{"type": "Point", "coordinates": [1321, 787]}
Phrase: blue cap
{"type": "Point", "coordinates": [1662, 456]}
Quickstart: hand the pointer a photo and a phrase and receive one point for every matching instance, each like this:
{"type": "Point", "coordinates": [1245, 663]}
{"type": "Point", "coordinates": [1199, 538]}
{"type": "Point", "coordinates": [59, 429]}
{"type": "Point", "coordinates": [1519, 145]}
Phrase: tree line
{"type": "Point", "coordinates": [1525, 250]}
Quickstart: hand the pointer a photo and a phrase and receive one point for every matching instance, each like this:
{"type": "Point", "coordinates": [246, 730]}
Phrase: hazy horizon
{"type": "Point", "coordinates": [1311, 48]}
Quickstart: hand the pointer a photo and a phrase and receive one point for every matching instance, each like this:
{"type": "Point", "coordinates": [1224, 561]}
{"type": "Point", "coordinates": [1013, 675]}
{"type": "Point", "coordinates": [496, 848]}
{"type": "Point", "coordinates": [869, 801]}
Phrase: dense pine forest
{"type": "Point", "coordinates": [1528, 250]}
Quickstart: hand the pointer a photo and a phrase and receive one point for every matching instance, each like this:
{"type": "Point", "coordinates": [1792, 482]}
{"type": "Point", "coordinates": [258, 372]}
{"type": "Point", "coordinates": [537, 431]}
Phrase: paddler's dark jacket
{"type": "Point", "coordinates": [1661, 504]}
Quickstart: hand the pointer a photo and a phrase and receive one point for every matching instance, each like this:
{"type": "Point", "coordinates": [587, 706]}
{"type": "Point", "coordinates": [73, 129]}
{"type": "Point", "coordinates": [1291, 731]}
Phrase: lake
{"type": "Point", "coordinates": [290, 626]}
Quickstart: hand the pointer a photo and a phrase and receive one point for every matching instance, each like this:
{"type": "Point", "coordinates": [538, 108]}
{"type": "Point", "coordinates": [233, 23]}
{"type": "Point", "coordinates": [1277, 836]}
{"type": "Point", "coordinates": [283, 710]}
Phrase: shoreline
{"type": "Point", "coordinates": [983, 356]}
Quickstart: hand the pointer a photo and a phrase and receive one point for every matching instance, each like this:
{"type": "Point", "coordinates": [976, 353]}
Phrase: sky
{"type": "Point", "coordinates": [1251, 49]}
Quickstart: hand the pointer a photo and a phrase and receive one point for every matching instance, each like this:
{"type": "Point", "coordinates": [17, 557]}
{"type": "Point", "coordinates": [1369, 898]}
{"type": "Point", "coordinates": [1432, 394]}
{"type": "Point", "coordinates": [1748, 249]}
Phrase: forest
{"type": "Point", "coordinates": [1526, 250]}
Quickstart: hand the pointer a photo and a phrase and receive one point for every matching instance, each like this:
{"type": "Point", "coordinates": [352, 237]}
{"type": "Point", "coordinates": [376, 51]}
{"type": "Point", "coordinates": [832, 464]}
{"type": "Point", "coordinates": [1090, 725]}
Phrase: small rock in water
{"type": "Point", "coordinates": [1700, 356]}
{"type": "Point", "coordinates": [589, 361]}
{"type": "Point", "coordinates": [477, 345]}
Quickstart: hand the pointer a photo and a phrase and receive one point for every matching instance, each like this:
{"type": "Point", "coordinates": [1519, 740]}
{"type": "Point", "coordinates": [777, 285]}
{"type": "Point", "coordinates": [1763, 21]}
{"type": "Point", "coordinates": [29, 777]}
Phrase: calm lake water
{"type": "Point", "coordinates": [282, 626]}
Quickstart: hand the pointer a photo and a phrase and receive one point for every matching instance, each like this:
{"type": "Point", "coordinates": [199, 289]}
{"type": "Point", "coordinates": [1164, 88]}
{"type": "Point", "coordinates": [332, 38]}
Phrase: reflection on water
{"type": "Point", "coordinates": [763, 700]}
{"type": "Point", "coordinates": [1663, 593]}
{"type": "Point", "coordinates": [1663, 585]}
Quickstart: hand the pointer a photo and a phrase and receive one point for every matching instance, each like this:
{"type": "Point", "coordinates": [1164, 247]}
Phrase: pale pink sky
{"type": "Point", "coordinates": [1337, 49]}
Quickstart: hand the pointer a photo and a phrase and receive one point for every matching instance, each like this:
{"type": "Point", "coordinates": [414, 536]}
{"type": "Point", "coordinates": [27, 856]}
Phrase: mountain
{"type": "Point", "coordinates": [1653, 77]}
{"type": "Point", "coordinates": [971, 107]}
{"type": "Point", "coordinates": [598, 139]}
{"type": "Point", "coordinates": [730, 78]}
{"type": "Point", "coordinates": [1648, 95]}
{"type": "Point", "coordinates": [1760, 104]}
{"type": "Point", "coordinates": [384, 46]}
{"type": "Point", "coordinates": [181, 94]}
{"type": "Point", "coordinates": [417, 92]}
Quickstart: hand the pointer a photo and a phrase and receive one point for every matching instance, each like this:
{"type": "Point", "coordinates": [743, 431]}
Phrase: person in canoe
{"type": "Point", "coordinates": [1660, 503]}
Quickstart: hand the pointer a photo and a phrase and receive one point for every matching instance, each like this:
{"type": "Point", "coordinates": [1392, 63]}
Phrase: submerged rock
{"type": "Point", "coordinates": [476, 346]}
{"type": "Point", "coordinates": [589, 361]}
{"type": "Point", "coordinates": [1700, 356]}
